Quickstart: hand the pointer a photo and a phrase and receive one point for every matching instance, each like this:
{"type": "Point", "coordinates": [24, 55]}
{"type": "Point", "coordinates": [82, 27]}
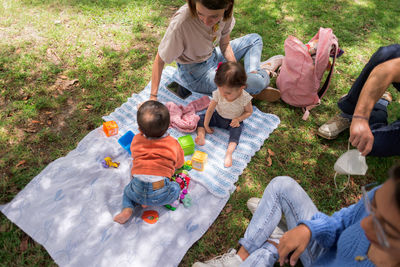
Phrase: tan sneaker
{"type": "Point", "coordinates": [332, 128]}
{"type": "Point", "coordinates": [229, 259]}
{"type": "Point", "coordinates": [272, 64]}
{"type": "Point", "coordinates": [269, 94]}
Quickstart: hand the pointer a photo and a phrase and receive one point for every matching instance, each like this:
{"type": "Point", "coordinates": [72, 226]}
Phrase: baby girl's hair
{"type": "Point", "coordinates": [230, 74]}
{"type": "Point", "coordinates": [153, 118]}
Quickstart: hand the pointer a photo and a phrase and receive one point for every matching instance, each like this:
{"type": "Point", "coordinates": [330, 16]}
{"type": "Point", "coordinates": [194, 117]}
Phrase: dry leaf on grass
{"type": "Point", "coordinates": [20, 163]}
{"type": "Point", "coordinates": [24, 244]}
{"type": "Point", "coordinates": [271, 153]}
{"type": "Point", "coordinates": [228, 208]}
{"type": "Point", "coordinates": [269, 161]}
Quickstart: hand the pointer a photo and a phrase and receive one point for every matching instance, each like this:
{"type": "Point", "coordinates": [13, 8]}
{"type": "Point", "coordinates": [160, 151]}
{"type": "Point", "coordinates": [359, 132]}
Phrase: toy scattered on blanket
{"type": "Point", "coordinates": [182, 178]}
{"type": "Point", "coordinates": [126, 140]}
{"type": "Point", "coordinates": [107, 163]}
{"type": "Point", "coordinates": [150, 216]}
{"type": "Point", "coordinates": [110, 128]}
{"type": "Point", "coordinates": [199, 160]}
{"type": "Point", "coordinates": [187, 144]}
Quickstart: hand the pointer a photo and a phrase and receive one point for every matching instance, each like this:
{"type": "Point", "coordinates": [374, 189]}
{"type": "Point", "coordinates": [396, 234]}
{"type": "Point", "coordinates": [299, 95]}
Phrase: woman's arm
{"type": "Point", "coordinates": [158, 67]}
{"type": "Point", "coordinates": [226, 48]}
{"type": "Point", "coordinates": [207, 117]}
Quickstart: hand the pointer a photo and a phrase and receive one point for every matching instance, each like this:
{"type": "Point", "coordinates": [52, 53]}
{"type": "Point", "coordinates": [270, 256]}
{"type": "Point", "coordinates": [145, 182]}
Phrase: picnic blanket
{"type": "Point", "coordinates": [69, 207]}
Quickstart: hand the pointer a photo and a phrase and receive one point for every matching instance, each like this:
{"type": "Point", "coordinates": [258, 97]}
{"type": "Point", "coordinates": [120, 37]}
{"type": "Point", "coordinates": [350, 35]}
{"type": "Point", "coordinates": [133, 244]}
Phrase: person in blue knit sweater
{"type": "Point", "coordinates": [364, 234]}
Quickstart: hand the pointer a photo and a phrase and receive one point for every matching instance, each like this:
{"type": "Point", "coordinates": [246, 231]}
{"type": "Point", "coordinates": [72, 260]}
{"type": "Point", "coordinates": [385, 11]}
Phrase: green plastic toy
{"type": "Point", "coordinates": [187, 144]}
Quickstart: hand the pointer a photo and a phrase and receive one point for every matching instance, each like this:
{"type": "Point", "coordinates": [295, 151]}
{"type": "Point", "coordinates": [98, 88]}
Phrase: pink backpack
{"type": "Point", "coordinates": [299, 79]}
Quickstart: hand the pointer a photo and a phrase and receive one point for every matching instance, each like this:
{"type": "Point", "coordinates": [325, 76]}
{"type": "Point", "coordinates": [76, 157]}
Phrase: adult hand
{"type": "Point", "coordinates": [361, 136]}
{"type": "Point", "coordinates": [208, 129]}
{"type": "Point", "coordinates": [234, 123]}
{"type": "Point", "coordinates": [295, 240]}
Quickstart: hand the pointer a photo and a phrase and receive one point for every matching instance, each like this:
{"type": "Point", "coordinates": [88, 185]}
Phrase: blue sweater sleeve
{"type": "Point", "coordinates": [326, 229]}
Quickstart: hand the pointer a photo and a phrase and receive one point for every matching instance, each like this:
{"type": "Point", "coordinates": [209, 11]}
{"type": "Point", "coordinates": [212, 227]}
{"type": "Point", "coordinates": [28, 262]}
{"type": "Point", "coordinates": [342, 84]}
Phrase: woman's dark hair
{"type": "Point", "coordinates": [213, 5]}
{"type": "Point", "coordinates": [394, 173]}
{"type": "Point", "coordinates": [230, 74]}
{"type": "Point", "coordinates": [153, 118]}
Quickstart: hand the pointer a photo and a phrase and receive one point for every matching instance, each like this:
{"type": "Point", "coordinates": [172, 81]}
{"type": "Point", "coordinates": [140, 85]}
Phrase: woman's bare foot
{"type": "Point", "coordinates": [123, 216]}
{"type": "Point", "coordinates": [228, 160]}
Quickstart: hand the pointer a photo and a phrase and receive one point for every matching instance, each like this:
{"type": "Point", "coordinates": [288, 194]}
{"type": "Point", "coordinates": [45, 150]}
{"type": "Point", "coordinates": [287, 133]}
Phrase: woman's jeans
{"type": "Point", "coordinates": [199, 77]}
{"type": "Point", "coordinates": [282, 195]}
{"type": "Point", "coordinates": [138, 192]}
{"type": "Point", "coordinates": [386, 137]}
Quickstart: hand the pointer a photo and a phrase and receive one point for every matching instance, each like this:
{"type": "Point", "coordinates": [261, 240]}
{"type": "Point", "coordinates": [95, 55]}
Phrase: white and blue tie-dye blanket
{"type": "Point", "coordinates": [69, 206]}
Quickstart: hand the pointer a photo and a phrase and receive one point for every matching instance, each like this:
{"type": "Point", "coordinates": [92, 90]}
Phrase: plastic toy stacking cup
{"type": "Point", "coordinates": [187, 144]}
{"type": "Point", "coordinates": [199, 160]}
{"type": "Point", "coordinates": [110, 128]}
{"type": "Point", "coordinates": [126, 140]}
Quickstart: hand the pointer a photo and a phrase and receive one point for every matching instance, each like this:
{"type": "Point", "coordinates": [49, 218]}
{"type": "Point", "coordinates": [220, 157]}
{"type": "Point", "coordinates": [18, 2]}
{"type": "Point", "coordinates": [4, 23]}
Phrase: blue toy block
{"type": "Point", "coordinates": [126, 140]}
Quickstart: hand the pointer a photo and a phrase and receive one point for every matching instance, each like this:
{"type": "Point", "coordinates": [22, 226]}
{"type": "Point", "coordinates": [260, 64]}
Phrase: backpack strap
{"type": "Point", "coordinates": [325, 86]}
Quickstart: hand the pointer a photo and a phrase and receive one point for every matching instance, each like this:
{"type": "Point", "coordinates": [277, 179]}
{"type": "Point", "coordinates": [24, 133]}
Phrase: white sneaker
{"type": "Point", "coordinates": [278, 232]}
{"type": "Point", "coordinates": [252, 204]}
{"type": "Point", "coordinates": [229, 259]}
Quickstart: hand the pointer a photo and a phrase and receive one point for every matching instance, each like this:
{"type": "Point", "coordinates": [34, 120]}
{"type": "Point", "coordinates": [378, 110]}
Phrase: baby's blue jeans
{"type": "Point", "coordinates": [199, 77]}
{"type": "Point", "coordinates": [138, 192]}
{"type": "Point", "coordinates": [282, 195]}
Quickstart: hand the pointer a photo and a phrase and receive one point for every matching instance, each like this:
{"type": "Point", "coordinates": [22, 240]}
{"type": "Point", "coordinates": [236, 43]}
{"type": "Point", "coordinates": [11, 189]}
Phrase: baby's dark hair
{"type": "Point", "coordinates": [230, 74]}
{"type": "Point", "coordinates": [394, 173]}
{"type": "Point", "coordinates": [153, 118]}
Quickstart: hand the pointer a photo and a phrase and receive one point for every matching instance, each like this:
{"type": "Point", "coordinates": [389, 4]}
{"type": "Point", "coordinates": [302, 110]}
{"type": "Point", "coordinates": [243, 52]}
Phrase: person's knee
{"type": "Point", "coordinates": [387, 51]}
{"type": "Point", "coordinates": [256, 82]}
{"type": "Point", "coordinates": [256, 38]}
{"type": "Point", "coordinates": [282, 183]}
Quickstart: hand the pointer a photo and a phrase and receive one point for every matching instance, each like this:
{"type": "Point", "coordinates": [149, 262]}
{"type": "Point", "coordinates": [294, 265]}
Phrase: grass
{"type": "Point", "coordinates": [64, 64]}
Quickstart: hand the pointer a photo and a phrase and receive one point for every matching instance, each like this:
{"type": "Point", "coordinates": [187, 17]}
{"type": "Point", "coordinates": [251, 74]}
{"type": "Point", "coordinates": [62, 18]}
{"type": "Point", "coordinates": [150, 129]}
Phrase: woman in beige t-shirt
{"type": "Point", "coordinates": [197, 38]}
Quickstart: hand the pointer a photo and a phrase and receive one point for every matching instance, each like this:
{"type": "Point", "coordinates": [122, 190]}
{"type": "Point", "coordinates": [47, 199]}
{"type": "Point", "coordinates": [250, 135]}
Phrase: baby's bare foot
{"type": "Point", "coordinates": [228, 160]}
{"type": "Point", "coordinates": [200, 140]}
{"type": "Point", "coordinates": [123, 216]}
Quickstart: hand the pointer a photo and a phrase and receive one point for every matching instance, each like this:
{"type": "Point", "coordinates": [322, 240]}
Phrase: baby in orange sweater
{"type": "Point", "coordinates": [155, 155]}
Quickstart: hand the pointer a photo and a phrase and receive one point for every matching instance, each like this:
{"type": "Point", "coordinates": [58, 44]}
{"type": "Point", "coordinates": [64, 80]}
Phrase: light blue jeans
{"type": "Point", "coordinates": [282, 195]}
{"type": "Point", "coordinates": [199, 77]}
{"type": "Point", "coordinates": [138, 192]}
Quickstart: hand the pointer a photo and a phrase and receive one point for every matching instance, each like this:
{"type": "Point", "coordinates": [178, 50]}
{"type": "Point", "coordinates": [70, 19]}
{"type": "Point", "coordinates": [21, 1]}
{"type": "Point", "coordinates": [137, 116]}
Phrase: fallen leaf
{"type": "Point", "coordinates": [271, 153]}
{"type": "Point", "coordinates": [24, 244]}
{"type": "Point", "coordinates": [20, 163]}
{"type": "Point", "coordinates": [89, 106]}
{"type": "Point", "coordinates": [33, 121]}
{"type": "Point", "coordinates": [29, 130]}
{"type": "Point", "coordinates": [269, 161]}
{"type": "Point", "coordinates": [72, 82]}
{"type": "Point", "coordinates": [49, 122]}
{"type": "Point", "coordinates": [228, 208]}
{"type": "Point", "coordinates": [63, 77]}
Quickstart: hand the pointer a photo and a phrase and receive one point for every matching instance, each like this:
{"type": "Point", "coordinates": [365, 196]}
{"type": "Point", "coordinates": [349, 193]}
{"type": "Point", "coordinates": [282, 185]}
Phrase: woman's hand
{"type": "Point", "coordinates": [295, 240]}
